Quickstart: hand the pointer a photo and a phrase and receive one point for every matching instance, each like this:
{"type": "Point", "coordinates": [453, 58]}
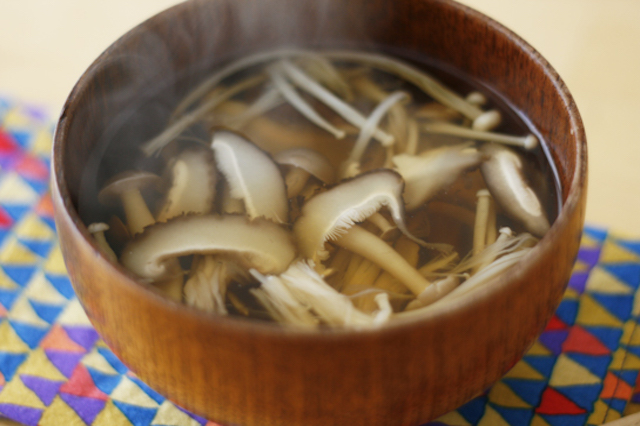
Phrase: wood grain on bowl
{"type": "Point", "coordinates": [247, 373]}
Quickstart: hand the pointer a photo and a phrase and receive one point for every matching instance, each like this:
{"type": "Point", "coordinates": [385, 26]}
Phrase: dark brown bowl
{"type": "Point", "coordinates": [246, 373]}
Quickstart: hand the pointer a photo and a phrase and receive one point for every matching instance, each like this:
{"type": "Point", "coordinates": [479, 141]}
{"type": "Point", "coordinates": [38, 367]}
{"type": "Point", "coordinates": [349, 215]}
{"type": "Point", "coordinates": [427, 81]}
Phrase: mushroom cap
{"type": "Point", "coordinates": [259, 243]}
{"type": "Point", "coordinates": [97, 227]}
{"type": "Point", "coordinates": [309, 160]}
{"type": "Point", "coordinates": [126, 181]}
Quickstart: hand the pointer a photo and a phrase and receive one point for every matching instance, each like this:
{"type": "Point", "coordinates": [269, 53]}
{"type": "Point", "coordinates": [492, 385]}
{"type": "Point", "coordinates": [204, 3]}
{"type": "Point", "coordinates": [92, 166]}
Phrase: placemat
{"type": "Point", "coordinates": [55, 370]}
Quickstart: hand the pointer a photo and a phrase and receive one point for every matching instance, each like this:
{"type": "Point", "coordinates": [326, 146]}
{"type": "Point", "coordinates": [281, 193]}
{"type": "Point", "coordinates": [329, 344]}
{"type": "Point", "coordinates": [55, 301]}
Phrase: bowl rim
{"type": "Point", "coordinates": [437, 313]}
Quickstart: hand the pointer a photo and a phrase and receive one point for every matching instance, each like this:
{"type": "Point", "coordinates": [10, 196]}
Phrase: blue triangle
{"type": "Point", "coordinates": [39, 186]}
{"type": "Point", "coordinates": [619, 305]}
{"type": "Point", "coordinates": [113, 360]}
{"type": "Point", "coordinates": [629, 376]}
{"type": "Point", "coordinates": [9, 363]}
{"type": "Point", "coordinates": [159, 399]}
{"type": "Point", "coordinates": [51, 223]}
{"type": "Point", "coordinates": [473, 410]}
{"type": "Point", "coordinates": [544, 364]}
{"type": "Point", "coordinates": [598, 234]}
{"type": "Point", "coordinates": [39, 247]}
{"type": "Point", "coordinates": [618, 404]}
{"type": "Point", "coordinates": [514, 416]}
{"type": "Point", "coordinates": [16, 211]}
{"type": "Point", "coordinates": [3, 234]}
{"type": "Point", "coordinates": [634, 350]}
{"type": "Point", "coordinates": [62, 284]}
{"type": "Point", "coordinates": [628, 273]}
{"type": "Point", "coordinates": [529, 390]}
{"type": "Point", "coordinates": [21, 275]}
{"type": "Point", "coordinates": [583, 395]}
{"type": "Point", "coordinates": [138, 416]}
{"type": "Point", "coordinates": [609, 336]}
{"type": "Point", "coordinates": [633, 246]}
{"type": "Point", "coordinates": [47, 312]}
{"type": "Point", "coordinates": [553, 340]}
{"type": "Point", "coordinates": [597, 364]}
{"type": "Point", "coordinates": [8, 297]}
{"type": "Point", "coordinates": [29, 334]}
{"type": "Point", "coordinates": [565, 419]}
{"type": "Point", "coordinates": [22, 137]}
{"type": "Point", "coordinates": [567, 311]}
{"type": "Point", "coordinates": [105, 382]}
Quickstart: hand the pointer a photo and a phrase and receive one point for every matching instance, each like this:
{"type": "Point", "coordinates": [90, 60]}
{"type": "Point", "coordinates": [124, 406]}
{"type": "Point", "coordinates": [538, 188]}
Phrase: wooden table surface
{"type": "Point", "coordinates": [594, 45]}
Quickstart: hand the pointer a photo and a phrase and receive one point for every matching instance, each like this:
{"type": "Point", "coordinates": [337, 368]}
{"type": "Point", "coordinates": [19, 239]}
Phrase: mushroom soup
{"type": "Point", "coordinates": [329, 188]}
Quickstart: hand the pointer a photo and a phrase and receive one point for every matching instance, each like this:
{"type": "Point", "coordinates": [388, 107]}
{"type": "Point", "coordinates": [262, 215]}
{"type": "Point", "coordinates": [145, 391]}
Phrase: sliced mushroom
{"type": "Point", "coordinates": [433, 171]}
{"type": "Point", "coordinates": [303, 163]}
{"type": "Point", "coordinates": [193, 184]}
{"type": "Point", "coordinates": [259, 244]}
{"type": "Point", "coordinates": [125, 188]}
{"type": "Point", "coordinates": [502, 172]}
{"type": "Point", "coordinates": [252, 176]}
{"type": "Point", "coordinates": [97, 230]}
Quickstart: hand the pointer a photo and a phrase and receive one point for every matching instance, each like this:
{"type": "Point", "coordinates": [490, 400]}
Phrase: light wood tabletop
{"type": "Point", "coordinates": [593, 44]}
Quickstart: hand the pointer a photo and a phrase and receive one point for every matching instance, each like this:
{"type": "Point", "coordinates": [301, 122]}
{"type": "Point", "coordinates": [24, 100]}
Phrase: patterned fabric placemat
{"type": "Point", "coordinates": [55, 370]}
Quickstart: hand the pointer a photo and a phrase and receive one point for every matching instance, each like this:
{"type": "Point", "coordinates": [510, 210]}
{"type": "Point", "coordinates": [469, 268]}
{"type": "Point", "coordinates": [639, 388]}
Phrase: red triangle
{"type": "Point", "coordinates": [581, 341]}
{"type": "Point", "coordinates": [81, 384]}
{"type": "Point", "coordinates": [615, 387]}
{"type": "Point", "coordinates": [553, 402]}
{"type": "Point", "coordinates": [7, 143]}
{"type": "Point", "coordinates": [5, 219]}
{"type": "Point", "coordinates": [32, 168]}
{"type": "Point", "coordinates": [58, 340]}
{"type": "Point", "coordinates": [45, 206]}
{"type": "Point", "coordinates": [556, 324]}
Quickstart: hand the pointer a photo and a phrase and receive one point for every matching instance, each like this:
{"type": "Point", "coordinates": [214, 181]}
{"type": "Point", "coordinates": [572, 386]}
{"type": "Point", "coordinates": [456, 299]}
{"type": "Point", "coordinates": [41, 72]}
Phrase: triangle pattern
{"type": "Point", "coordinates": [159, 399]}
{"type": "Point", "coordinates": [81, 384]}
{"type": "Point", "coordinates": [13, 190]}
{"type": "Point", "coordinates": [31, 227]}
{"type": "Point", "coordinates": [501, 394]}
{"type": "Point", "coordinates": [522, 370]}
{"type": "Point", "coordinates": [10, 341]}
{"type": "Point", "coordinates": [73, 315]}
{"type": "Point", "coordinates": [567, 372]}
{"type": "Point", "coordinates": [86, 408]}
{"type": "Point", "coordinates": [111, 416]}
{"type": "Point", "coordinates": [568, 310]}
{"type": "Point", "coordinates": [598, 235]}
{"type": "Point", "coordinates": [113, 360]}
{"type": "Point", "coordinates": [589, 255]}
{"type": "Point", "coordinates": [581, 341]}
{"type": "Point", "coordinates": [47, 312]}
{"type": "Point", "coordinates": [553, 402]}
{"type": "Point", "coordinates": [614, 387]}
{"type": "Point", "coordinates": [57, 339]}
{"type": "Point", "coordinates": [601, 281]}
{"type": "Point", "coordinates": [97, 362]}
{"type": "Point", "coordinates": [27, 415]}
{"type": "Point", "coordinates": [492, 418]}
{"type": "Point", "coordinates": [628, 273]}
{"type": "Point", "coordinates": [619, 305]}
{"type": "Point", "coordinates": [15, 392]}
{"type": "Point", "coordinates": [23, 312]}
{"type": "Point", "coordinates": [60, 413]}
{"type": "Point", "coordinates": [55, 262]}
{"type": "Point", "coordinates": [41, 291]}
{"type": "Point", "coordinates": [544, 364]}
{"type": "Point", "coordinates": [20, 274]}
{"type": "Point", "coordinates": [9, 364]}
{"type": "Point", "coordinates": [65, 362]}
{"type": "Point", "coordinates": [555, 324]}
{"type": "Point", "coordinates": [529, 390]}
{"type": "Point", "coordinates": [553, 340]}
{"type": "Point", "coordinates": [45, 389]}
{"type": "Point", "coordinates": [16, 211]}
{"type": "Point", "coordinates": [538, 421]}
{"type": "Point", "coordinates": [15, 253]}
{"type": "Point", "coordinates": [104, 382]}
{"type": "Point", "coordinates": [452, 418]}
{"type": "Point", "coordinates": [138, 416]}
{"type": "Point", "coordinates": [38, 365]}
{"type": "Point", "coordinates": [614, 253]}
{"type": "Point", "coordinates": [591, 313]}
{"type": "Point", "coordinates": [62, 285]}
{"type": "Point", "coordinates": [86, 337]}
{"type": "Point", "coordinates": [473, 410]}
{"type": "Point", "coordinates": [538, 349]}
{"type": "Point", "coordinates": [623, 359]}
{"type": "Point", "coordinates": [6, 282]}
{"type": "Point", "coordinates": [584, 395]}
{"type": "Point", "coordinates": [610, 337]}
{"type": "Point", "coordinates": [129, 392]}
{"type": "Point", "coordinates": [515, 416]}
{"type": "Point", "coordinates": [7, 299]}
{"type": "Point", "coordinates": [29, 334]}
{"type": "Point", "coordinates": [169, 415]}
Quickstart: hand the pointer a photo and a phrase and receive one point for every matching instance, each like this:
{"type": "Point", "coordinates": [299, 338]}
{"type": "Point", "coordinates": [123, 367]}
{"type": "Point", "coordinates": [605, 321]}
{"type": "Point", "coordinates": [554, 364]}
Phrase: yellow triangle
{"type": "Point", "coordinates": [6, 282]}
{"type": "Point", "coordinates": [598, 413]}
{"type": "Point", "coordinates": [592, 314]}
{"type": "Point", "coordinates": [127, 391]}
{"type": "Point", "coordinates": [538, 349]}
{"type": "Point", "coordinates": [522, 370]}
{"type": "Point", "coordinates": [587, 241]}
{"type": "Point", "coordinates": [627, 332]}
{"type": "Point", "coordinates": [55, 262]}
{"type": "Point", "coordinates": [635, 336]}
{"type": "Point", "coordinates": [111, 416]}
{"type": "Point", "coordinates": [59, 413]}
{"type": "Point", "coordinates": [23, 312]}
{"type": "Point", "coordinates": [623, 360]}
{"type": "Point", "coordinates": [613, 253]}
{"type": "Point", "coordinates": [503, 395]}
{"type": "Point", "coordinates": [32, 228]}
{"type": "Point", "coordinates": [40, 290]}
{"type": "Point", "coordinates": [73, 314]}
{"type": "Point", "coordinates": [453, 418]}
{"type": "Point", "coordinates": [16, 118]}
{"type": "Point", "coordinates": [567, 372]}
{"type": "Point", "coordinates": [601, 281]}
{"type": "Point", "coordinates": [13, 190]}
{"type": "Point", "coordinates": [9, 340]}
{"type": "Point", "coordinates": [42, 143]}
{"type": "Point", "coordinates": [15, 392]}
{"type": "Point", "coordinates": [571, 294]}
{"type": "Point", "coordinates": [612, 414]}
{"type": "Point", "coordinates": [538, 421]}
{"type": "Point", "coordinates": [39, 365]}
{"type": "Point", "coordinates": [580, 266]}
{"type": "Point", "coordinates": [492, 418]}
{"type": "Point", "coordinates": [169, 415]}
{"type": "Point", "coordinates": [97, 362]}
{"type": "Point", "coordinates": [17, 254]}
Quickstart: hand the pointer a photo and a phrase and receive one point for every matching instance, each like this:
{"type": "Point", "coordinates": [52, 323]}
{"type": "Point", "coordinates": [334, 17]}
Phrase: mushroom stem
{"type": "Point", "coordinates": [367, 245]}
{"type": "Point", "coordinates": [482, 219]}
{"type": "Point", "coordinates": [387, 229]}
{"type": "Point", "coordinates": [207, 285]}
{"type": "Point", "coordinates": [528, 142]}
{"type": "Point", "coordinates": [297, 102]}
{"type": "Point", "coordinates": [492, 227]}
{"type": "Point", "coordinates": [413, 135]}
{"type": "Point", "coordinates": [438, 263]}
{"type": "Point", "coordinates": [295, 180]}
{"type": "Point", "coordinates": [347, 112]}
{"type": "Point", "coordinates": [97, 230]}
{"type": "Point", "coordinates": [136, 211]}
{"type": "Point", "coordinates": [434, 292]}
{"type": "Point", "coordinates": [270, 99]}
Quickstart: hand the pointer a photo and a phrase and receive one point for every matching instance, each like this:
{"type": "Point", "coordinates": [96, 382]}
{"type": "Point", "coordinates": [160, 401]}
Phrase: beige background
{"type": "Point", "coordinates": [594, 44]}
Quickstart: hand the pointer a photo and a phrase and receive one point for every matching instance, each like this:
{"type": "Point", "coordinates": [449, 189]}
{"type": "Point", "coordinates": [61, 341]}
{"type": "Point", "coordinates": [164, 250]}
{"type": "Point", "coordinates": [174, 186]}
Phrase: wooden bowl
{"type": "Point", "coordinates": [248, 373]}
